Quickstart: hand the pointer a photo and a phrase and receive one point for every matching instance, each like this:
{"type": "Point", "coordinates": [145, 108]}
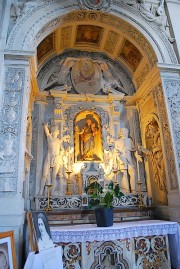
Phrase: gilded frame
{"type": "Point", "coordinates": [7, 250]}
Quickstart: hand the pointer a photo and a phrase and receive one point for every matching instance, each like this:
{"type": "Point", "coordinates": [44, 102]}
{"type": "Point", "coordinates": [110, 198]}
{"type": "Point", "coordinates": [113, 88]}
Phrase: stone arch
{"type": "Point", "coordinates": [46, 17]}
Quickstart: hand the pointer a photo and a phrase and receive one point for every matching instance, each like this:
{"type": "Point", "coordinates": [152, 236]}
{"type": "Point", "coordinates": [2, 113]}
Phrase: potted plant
{"type": "Point", "coordinates": [101, 200]}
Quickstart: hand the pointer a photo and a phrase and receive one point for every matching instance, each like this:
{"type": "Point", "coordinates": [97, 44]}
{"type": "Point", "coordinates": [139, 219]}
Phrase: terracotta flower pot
{"type": "Point", "coordinates": [104, 217]}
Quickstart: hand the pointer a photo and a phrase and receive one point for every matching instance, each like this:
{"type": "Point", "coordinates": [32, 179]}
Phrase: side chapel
{"type": "Point", "coordinates": [90, 92]}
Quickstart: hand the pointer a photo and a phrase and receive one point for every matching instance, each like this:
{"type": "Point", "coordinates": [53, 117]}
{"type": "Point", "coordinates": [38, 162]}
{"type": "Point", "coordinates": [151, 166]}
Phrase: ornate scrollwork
{"type": "Point", "coordinates": [170, 158]}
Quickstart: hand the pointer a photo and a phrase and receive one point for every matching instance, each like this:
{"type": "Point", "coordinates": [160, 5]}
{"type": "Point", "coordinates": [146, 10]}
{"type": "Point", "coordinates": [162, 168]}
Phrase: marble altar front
{"type": "Point", "coordinates": [127, 245]}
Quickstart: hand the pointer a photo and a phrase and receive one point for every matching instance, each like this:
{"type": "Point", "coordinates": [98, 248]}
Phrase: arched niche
{"type": "Point", "coordinates": [156, 162]}
{"type": "Point", "coordinates": [88, 137]}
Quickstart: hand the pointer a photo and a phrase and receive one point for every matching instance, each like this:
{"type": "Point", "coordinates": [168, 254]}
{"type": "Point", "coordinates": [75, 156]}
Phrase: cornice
{"type": "Point", "coordinates": [176, 2]}
{"type": "Point", "coordinates": [175, 68]}
{"type": "Point", "coordinates": [18, 55]}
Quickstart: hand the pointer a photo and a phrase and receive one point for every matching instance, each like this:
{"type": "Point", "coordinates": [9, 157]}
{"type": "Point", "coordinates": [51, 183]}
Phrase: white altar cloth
{"type": "Point", "coordinates": [122, 230]}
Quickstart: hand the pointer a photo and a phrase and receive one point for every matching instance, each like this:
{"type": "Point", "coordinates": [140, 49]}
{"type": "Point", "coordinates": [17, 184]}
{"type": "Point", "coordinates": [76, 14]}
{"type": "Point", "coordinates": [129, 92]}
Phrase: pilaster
{"type": "Point", "coordinates": [13, 120]}
{"type": "Point", "coordinates": [171, 92]}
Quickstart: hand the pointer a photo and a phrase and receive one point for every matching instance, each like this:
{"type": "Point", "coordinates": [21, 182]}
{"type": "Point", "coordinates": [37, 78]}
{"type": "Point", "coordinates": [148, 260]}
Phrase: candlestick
{"type": "Point", "coordinates": [139, 183]}
{"type": "Point", "coordinates": [48, 208]}
{"type": "Point", "coordinates": [69, 158]}
{"type": "Point", "coordinates": [115, 176]}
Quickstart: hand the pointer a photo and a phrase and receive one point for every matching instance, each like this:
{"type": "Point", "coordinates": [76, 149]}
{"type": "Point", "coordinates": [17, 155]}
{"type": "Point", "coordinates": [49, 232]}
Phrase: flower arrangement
{"type": "Point", "coordinates": [100, 197]}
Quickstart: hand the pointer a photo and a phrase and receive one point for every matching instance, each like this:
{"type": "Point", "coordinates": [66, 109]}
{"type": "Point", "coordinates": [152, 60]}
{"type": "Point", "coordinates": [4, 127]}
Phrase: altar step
{"type": "Point", "coordinates": [88, 216]}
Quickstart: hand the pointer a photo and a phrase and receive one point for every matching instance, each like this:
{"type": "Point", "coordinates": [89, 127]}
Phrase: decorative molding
{"type": "Point", "coordinates": [75, 202]}
{"type": "Point", "coordinates": [66, 33]}
{"type": "Point", "coordinates": [141, 76]}
{"type": "Point", "coordinates": [33, 168]}
{"type": "Point", "coordinates": [162, 34]}
{"type": "Point", "coordinates": [111, 41]}
{"type": "Point", "coordinates": [172, 92]}
{"type": "Point", "coordinates": [10, 129]}
{"type": "Point", "coordinates": [119, 73]}
{"type": "Point", "coordinates": [168, 144]}
{"type": "Point", "coordinates": [92, 5]}
{"type": "Point", "coordinates": [104, 18]}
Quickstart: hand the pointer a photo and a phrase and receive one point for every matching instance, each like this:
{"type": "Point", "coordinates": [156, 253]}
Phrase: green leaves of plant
{"type": "Point", "coordinates": [100, 197]}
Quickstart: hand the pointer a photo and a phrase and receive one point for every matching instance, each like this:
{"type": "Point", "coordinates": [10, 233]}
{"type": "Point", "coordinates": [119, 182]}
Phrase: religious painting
{"type": "Point", "coordinates": [45, 46]}
{"type": "Point", "coordinates": [7, 251]}
{"type": "Point", "coordinates": [131, 55]}
{"type": "Point", "coordinates": [86, 76]}
{"type": "Point", "coordinates": [42, 231]}
{"type": "Point", "coordinates": [89, 34]}
{"type": "Point", "coordinates": [88, 139]}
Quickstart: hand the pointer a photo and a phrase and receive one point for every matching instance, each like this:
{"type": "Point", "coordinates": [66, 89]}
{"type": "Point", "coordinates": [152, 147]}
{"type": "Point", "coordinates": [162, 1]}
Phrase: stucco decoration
{"type": "Point", "coordinates": [104, 18]}
{"type": "Point", "coordinates": [111, 41]}
{"type": "Point", "coordinates": [152, 131]}
{"type": "Point", "coordinates": [66, 33]}
{"type": "Point", "coordinates": [57, 72]}
{"type": "Point", "coordinates": [86, 76]}
{"type": "Point", "coordinates": [172, 91]}
{"type": "Point", "coordinates": [20, 8]}
{"type": "Point", "coordinates": [142, 73]}
{"type": "Point", "coordinates": [34, 148]}
{"type": "Point", "coordinates": [51, 19]}
{"type": "Point", "coordinates": [157, 16]}
{"type": "Point", "coordinates": [138, 141]}
{"type": "Point", "coordinates": [95, 4]}
{"type": "Point", "coordinates": [56, 156]}
{"type": "Point", "coordinates": [132, 6]}
{"type": "Point", "coordinates": [71, 113]}
{"type": "Point", "coordinates": [167, 140]}
{"type": "Point", "coordinates": [28, 155]}
{"type": "Point", "coordinates": [10, 128]}
{"type": "Point", "coordinates": [91, 172]}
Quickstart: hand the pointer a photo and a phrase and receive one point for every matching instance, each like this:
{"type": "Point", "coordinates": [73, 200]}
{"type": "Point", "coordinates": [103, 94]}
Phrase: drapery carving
{"type": "Point", "coordinates": [156, 153]}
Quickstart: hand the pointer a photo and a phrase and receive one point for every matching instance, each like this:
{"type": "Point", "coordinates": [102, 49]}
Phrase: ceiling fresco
{"type": "Point", "coordinates": [46, 46]}
{"type": "Point", "coordinates": [131, 55]}
{"type": "Point", "coordinates": [89, 34]}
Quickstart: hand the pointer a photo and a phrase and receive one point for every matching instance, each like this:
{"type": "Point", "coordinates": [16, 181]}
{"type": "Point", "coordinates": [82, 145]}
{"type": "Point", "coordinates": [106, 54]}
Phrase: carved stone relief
{"type": "Point", "coordinates": [172, 91]}
{"type": "Point", "coordinates": [168, 145]}
{"type": "Point", "coordinates": [95, 4]}
{"type": "Point", "coordinates": [57, 72]}
{"type": "Point", "coordinates": [156, 16]}
{"type": "Point", "coordinates": [10, 128]}
{"type": "Point", "coordinates": [156, 162]}
{"type": "Point", "coordinates": [33, 168]}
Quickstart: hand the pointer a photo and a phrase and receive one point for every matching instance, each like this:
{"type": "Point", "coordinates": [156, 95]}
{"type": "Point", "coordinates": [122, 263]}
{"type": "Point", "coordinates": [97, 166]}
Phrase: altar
{"type": "Point", "coordinates": [87, 129]}
{"type": "Point", "coordinates": [136, 244]}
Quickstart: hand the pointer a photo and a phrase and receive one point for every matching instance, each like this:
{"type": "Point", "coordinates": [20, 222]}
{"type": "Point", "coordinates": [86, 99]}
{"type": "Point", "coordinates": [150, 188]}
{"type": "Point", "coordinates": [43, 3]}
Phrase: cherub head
{"type": "Point", "coordinates": [123, 132]}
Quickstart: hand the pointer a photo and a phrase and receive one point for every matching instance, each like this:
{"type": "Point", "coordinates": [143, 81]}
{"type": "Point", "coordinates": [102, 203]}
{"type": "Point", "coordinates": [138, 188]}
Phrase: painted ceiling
{"type": "Point", "coordinates": [119, 40]}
